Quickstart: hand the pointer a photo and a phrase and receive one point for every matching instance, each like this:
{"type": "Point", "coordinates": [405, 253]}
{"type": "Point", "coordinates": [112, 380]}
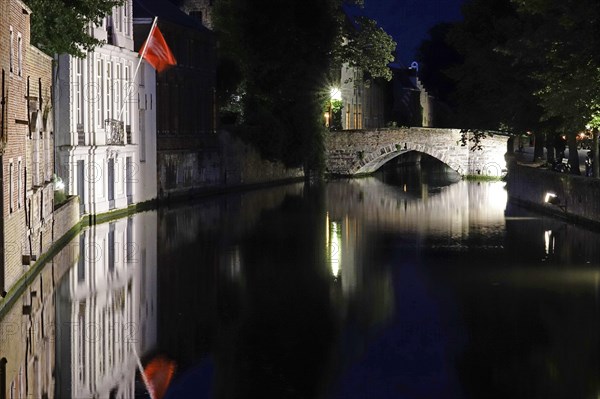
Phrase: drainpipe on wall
{"type": "Point", "coordinates": [27, 218]}
{"type": "Point", "coordinates": [2, 133]}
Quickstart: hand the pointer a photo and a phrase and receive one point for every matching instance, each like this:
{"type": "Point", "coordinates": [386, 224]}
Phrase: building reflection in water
{"type": "Point", "coordinates": [106, 309]}
{"type": "Point", "coordinates": [356, 287]}
{"type": "Point", "coordinates": [28, 334]}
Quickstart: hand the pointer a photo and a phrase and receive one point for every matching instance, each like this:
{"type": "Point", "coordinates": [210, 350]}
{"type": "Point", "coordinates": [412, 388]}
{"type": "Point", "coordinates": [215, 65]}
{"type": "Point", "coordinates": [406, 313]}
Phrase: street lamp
{"type": "Point", "coordinates": [335, 94]}
{"type": "Point", "coordinates": [553, 199]}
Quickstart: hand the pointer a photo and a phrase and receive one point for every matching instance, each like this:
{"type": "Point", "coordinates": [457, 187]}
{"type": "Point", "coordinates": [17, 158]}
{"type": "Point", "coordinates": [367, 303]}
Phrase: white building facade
{"type": "Point", "coordinates": [106, 121]}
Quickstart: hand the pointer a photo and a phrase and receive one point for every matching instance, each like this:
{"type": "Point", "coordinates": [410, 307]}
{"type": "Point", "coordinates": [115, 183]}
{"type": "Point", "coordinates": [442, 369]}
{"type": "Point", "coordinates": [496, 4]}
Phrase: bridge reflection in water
{"type": "Point", "coordinates": [412, 284]}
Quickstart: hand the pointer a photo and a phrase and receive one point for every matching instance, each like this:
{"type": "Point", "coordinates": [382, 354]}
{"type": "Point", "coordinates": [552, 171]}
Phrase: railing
{"type": "Point", "coordinates": [80, 134]}
{"type": "Point", "coordinates": [128, 131]}
{"type": "Point", "coordinates": [115, 132]}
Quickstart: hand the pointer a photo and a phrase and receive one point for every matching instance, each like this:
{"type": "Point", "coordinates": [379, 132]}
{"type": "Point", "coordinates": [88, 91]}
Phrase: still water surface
{"type": "Point", "coordinates": [409, 284]}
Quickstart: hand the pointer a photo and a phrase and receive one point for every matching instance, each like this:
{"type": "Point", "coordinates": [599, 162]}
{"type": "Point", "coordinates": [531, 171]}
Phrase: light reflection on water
{"type": "Point", "coordinates": [410, 284]}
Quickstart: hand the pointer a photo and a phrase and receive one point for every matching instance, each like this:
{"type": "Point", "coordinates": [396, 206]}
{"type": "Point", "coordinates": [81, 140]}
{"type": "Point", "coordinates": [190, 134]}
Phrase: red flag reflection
{"type": "Point", "coordinates": [158, 374]}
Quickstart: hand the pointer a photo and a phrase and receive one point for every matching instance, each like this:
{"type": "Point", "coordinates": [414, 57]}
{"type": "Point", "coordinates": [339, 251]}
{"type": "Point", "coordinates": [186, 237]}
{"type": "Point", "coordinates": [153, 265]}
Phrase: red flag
{"type": "Point", "coordinates": [156, 51]}
{"type": "Point", "coordinates": [158, 374]}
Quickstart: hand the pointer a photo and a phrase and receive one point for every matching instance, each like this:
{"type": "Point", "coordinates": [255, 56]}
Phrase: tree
{"type": "Point", "coordinates": [61, 26]}
{"type": "Point", "coordinates": [362, 44]}
{"type": "Point", "coordinates": [562, 40]}
{"type": "Point", "coordinates": [494, 91]}
{"type": "Point", "coordinates": [436, 56]}
{"type": "Point", "coordinates": [284, 52]}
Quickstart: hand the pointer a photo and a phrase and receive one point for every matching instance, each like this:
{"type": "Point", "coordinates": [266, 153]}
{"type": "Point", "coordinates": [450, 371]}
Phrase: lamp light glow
{"type": "Point", "coordinates": [549, 198]}
{"type": "Point", "coordinates": [335, 94]}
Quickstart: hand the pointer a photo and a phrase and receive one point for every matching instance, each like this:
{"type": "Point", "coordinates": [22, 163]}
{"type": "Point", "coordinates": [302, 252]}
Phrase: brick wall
{"type": "Point", "coordinates": [40, 150]}
{"type": "Point", "coordinates": [13, 141]}
{"type": "Point", "coordinates": [27, 196]}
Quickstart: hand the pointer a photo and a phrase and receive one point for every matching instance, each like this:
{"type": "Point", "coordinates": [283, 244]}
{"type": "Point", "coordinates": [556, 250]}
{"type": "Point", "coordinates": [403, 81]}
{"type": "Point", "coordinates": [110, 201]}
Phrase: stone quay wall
{"type": "Point", "coordinates": [66, 217]}
{"type": "Point", "coordinates": [229, 164]}
{"type": "Point", "coordinates": [577, 195]}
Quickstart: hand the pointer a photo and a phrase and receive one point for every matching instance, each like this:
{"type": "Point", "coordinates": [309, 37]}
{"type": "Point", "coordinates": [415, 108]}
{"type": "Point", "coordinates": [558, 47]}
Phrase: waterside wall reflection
{"type": "Point", "coordinates": [28, 333]}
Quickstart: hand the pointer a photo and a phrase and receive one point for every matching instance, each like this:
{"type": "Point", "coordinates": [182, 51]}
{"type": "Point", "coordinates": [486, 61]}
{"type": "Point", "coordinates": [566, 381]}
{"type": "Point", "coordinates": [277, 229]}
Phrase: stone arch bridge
{"type": "Point", "coordinates": [356, 152]}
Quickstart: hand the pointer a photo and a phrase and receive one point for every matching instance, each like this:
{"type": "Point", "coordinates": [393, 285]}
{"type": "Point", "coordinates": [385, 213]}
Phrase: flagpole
{"type": "Point", "coordinates": [137, 68]}
{"type": "Point", "coordinates": [147, 383]}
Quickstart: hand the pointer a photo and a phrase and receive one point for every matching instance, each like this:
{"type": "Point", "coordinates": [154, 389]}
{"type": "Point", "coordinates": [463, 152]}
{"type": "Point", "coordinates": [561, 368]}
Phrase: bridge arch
{"type": "Point", "coordinates": [357, 152]}
{"type": "Point", "coordinates": [371, 162]}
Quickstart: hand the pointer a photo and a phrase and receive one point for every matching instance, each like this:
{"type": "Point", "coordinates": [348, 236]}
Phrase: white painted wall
{"type": "Point", "coordinates": [93, 90]}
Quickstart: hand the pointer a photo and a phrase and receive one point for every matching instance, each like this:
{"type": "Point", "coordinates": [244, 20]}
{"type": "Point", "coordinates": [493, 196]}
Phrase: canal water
{"type": "Point", "coordinates": [409, 284]}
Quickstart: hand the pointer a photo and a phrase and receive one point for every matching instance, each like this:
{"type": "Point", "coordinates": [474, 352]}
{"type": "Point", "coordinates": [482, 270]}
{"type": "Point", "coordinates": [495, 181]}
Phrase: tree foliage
{"type": "Point", "coordinates": [284, 53]}
{"type": "Point", "coordinates": [364, 45]}
{"type": "Point", "coordinates": [528, 65]}
{"type": "Point", "coordinates": [61, 26]}
{"type": "Point", "coordinates": [561, 40]}
{"type": "Point", "coordinates": [436, 56]}
{"type": "Point", "coordinates": [494, 90]}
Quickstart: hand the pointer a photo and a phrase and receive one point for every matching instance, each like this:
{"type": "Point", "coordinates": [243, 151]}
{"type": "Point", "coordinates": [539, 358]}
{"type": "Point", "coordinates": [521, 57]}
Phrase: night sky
{"type": "Point", "coordinates": [409, 20]}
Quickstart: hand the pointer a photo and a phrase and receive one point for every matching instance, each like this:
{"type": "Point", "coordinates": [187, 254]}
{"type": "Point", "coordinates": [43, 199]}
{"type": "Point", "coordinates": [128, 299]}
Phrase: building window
{"type": "Point", "coordinates": [196, 14]}
{"type": "Point", "coordinates": [99, 93]}
{"type": "Point", "coordinates": [108, 105]}
{"type": "Point", "coordinates": [126, 18]}
{"type": "Point", "coordinates": [19, 184]}
{"type": "Point", "coordinates": [19, 55]}
{"type": "Point", "coordinates": [128, 88]}
{"type": "Point", "coordinates": [10, 185]}
{"type": "Point", "coordinates": [78, 90]}
{"type": "Point", "coordinates": [118, 90]}
{"type": "Point", "coordinates": [142, 133]}
{"type": "Point", "coordinates": [118, 19]}
{"type": "Point", "coordinates": [11, 54]}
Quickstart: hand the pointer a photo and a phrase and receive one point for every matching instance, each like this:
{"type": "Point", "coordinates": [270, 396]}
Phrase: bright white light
{"type": "Point", "coordinates": [549, 196]}
{"type": "Point", "coordinates": [548, 242]}
{"type": "Point", "coordinates": [497, 197]}
{"type": "Point", "coordinates": [59, 185]}
{"type": "Point", "coordinates": [335, 249]}
{"type": "Point", "coordinates": [335, 94]}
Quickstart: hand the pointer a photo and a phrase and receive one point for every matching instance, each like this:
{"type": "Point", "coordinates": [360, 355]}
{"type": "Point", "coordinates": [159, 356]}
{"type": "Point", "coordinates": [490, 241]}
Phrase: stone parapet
{"type": "Point", "coordinates": [576, 196]}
